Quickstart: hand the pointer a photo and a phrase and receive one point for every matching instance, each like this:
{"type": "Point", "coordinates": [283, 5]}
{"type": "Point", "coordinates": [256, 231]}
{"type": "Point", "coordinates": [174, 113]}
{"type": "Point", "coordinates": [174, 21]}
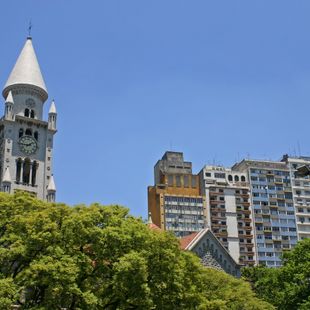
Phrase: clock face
{"type": "Point", "coordinates": [28, 145]}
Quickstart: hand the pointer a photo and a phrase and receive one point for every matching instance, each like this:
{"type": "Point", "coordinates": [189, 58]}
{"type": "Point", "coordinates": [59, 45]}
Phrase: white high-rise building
{"type": "Point", "coordinates": [26, 140]}
{"type": "Point", "coordinates": [229, 213]}
{"type": "Point", "coordinates": [300, 179]}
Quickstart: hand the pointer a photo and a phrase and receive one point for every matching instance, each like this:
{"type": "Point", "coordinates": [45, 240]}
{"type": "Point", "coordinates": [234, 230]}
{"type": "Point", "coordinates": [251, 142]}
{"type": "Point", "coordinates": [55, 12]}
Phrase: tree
{"type": "Point", "coordinates": [53, 256]}
{"type": "Point", "coordinates": [287, 287]}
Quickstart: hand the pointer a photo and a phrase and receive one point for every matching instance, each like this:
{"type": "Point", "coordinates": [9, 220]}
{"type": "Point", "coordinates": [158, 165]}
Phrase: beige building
{"type": "Point", "coordinates": [229, 212]}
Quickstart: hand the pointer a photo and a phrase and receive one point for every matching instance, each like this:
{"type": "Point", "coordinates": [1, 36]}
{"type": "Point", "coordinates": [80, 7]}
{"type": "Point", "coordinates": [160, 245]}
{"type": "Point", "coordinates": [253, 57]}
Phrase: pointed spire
{"type": "Point", "coordinates": [26, 72]}
{"type": "Point", "coordinates": [51, 185]}
{"type": "Point", "coordinates": [52, 108]}
{"type": "Point", "coordinates": [7, 176]}
{"type": "Point", "coordinates": [9, 98]}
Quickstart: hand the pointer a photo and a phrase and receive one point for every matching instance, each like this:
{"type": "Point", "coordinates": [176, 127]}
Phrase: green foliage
{"type": "Point", "coordinates": [53, 256]}
{"type": "Point", "coordinates": [287, 287]}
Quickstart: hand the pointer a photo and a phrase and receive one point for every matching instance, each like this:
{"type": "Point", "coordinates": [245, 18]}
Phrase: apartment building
{"type": "Point", "coordinates": [175, 202]}
{"type": "Point", "coordinates": [272, 208]}
{"type": "Point", "coordinates": [299, 168]}
{"type": "Point", "coordinates": [229, 211]}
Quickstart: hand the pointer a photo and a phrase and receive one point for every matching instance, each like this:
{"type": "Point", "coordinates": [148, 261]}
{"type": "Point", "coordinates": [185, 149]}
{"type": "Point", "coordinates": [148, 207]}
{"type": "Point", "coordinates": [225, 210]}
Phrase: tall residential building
{"type": "Point", "coordinates": [229, 211]}
{"type": "Point", "coordinates": [273, 208]}
{"type": "Point", "coordinates": [26, 140]}
{"type": "Point", "coordinates": [175, 202]}
{"type": "Point", "coordinates": [300, 178]}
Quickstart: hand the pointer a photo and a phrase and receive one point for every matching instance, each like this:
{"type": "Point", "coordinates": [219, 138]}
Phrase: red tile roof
{"type": "Point", "coordinates": [185, 241]}
{"type": "Point", "coordinates": [153, 226]}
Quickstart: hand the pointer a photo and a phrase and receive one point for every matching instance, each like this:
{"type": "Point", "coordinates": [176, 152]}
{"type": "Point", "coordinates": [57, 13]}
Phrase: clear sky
{"type": "Point", "coordinates": [217, 80]}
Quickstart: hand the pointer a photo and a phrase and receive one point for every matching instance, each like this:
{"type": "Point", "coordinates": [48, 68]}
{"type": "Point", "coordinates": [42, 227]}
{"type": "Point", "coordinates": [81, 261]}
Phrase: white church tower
{"type": "Point", "coordinates": [26, 140]}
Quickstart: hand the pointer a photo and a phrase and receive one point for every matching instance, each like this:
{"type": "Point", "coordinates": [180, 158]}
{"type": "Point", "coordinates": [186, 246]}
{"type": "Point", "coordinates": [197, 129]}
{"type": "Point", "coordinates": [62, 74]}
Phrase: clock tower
{"type": "Point", "coordinates": [26, 140]}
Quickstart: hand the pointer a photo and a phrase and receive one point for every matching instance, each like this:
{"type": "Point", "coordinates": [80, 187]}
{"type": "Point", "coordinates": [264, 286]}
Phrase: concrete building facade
{"type": "Point", "coordinates": [229, 212]}
{"type": "Point", "coordinates": [272, 208]}
{"type": "Point", "coordinates": [257, 209]}
{"type": "Point", "coordinates": [299, 168]}
{"type": "Point", "coordinates": [26, 140]}
{"type": "Point", "coordinates": [175, 202]}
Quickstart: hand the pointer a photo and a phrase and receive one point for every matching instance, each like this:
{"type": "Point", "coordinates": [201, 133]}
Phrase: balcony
{"type": "Point", "coordinates": [277, 238]}
{"type": "Point", "coordinates": [247, 228]}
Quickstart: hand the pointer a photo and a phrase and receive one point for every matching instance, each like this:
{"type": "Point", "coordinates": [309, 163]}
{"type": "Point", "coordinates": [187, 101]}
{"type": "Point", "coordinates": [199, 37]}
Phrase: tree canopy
{"type": "Point", "coordinates": [53, 256]}
{"type": "Point", "coordinates": [287, 287]}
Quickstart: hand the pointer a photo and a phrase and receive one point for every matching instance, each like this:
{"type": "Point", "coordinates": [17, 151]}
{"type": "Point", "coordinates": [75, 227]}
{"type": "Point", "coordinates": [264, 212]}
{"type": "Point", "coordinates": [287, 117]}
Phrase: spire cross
{"type": "Point", "coordinates": [29, 29]}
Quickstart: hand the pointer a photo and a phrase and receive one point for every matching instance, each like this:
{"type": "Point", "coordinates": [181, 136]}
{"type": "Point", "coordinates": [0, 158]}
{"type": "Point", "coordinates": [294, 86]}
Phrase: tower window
{"type": "Point", "coordinates": [18, 169]}
{"type": "Point", "coordinates": [21, 132]}
{"type": "Point", "coordinates": [26, 171]}
{"type": "Point", "coordinates": [29, 113]}
{"type": "Point", "coordinates": [28, 132]}
{"type": "Point", "coordinates": [34, 173]}
{"type": "Point", "coordinates": [36, 135]}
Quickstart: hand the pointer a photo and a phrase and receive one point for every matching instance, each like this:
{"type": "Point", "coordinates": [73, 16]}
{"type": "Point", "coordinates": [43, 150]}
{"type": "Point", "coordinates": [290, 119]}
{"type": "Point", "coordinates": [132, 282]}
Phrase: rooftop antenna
{"type": "Point", "coordinates": [298, 146]}
{"type": "Point", "coordinates": [29, 29]}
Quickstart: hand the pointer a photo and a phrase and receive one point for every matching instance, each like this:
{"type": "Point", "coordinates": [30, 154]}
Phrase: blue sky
{"type": "Point", "coordinates": [218, 80]}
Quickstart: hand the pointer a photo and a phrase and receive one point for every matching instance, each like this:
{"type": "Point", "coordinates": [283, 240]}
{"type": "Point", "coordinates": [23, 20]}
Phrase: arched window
{"type": "Point", "coordinates": [28, 132]}
{"type": "Point", "coordinates": [21, 132]}
{"type": "Point", "coordinates": [242, 178]}
{"type": "Point", "coordinates": [26, 112]}
{"type": "Point", "coordinates": [236, 178]}
{"type": "Point", "coordinates": [18, 169]}
{"type": "Point", "coordinates": [34, 173]}
{"type": "Point", "coordinates": [26, 171]}
{"type": "Point", "coordinates": [212, 247]}
{"type": "Point", "coordinates": [36, 135]}
{"type": "Point", "coordinates": [32, 113]}
{"type": "Point", "coordinates": [230, 178]}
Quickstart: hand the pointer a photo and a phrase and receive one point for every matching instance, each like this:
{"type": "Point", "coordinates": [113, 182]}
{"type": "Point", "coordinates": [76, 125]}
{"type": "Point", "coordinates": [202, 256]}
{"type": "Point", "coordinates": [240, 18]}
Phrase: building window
{"type": "Point", "coordinates": [236, 178]}
{"type": "Point", "coordinates": [186, 180]}
{"type": "Point", "coordinates": [170, 180]}
{"type": "Point", "coordinates": [230, 178]}
{"type": "Point", "coordinates": [18, 169]}
{"type": "Point", "coordinates": [178, 180]}
{"type": "Point", "coordinates": [193, 181]}
{"type": "Point", "coordinates": [21, 132]}
{"type": "Point", "coordinates": [26, 171]}
{"type": "Point", "coordinates": [34, 173]}
{"type": "Point", "coordinates": [36, 135]}
{"type": "Point", "coordinates": [242, 178]}
{"type": "Point", "coordinates": [29, 113]}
